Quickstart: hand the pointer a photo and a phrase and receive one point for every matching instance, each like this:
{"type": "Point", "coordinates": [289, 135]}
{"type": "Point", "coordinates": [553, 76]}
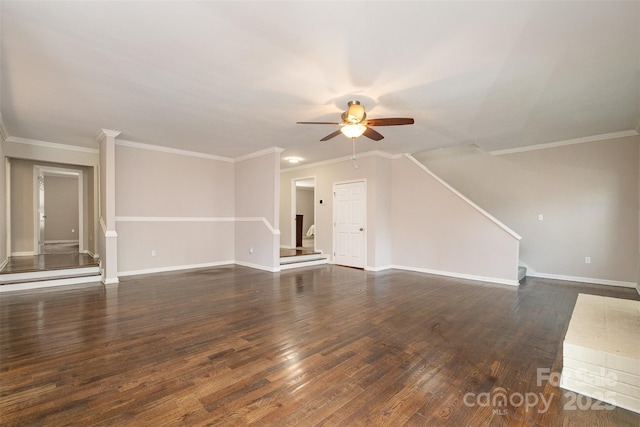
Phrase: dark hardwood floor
{"type": "Point", "coordinates": [52, 260]}
{"type": "Point", "coordinates": [323, 345]}
{"type": "Point", "coordinates": [25, 264]}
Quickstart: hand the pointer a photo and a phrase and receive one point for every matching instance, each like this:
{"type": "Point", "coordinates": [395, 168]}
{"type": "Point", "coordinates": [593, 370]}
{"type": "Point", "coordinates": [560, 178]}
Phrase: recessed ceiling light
{"type": "Point", "coordinates": [293, 159]}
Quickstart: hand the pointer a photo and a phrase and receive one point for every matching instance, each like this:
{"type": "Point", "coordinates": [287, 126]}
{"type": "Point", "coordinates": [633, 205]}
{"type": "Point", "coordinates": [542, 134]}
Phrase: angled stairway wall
{"type": "Point", "coordinates": [569, 200]}
{"type": "Point", "coordinates": [437, 230]}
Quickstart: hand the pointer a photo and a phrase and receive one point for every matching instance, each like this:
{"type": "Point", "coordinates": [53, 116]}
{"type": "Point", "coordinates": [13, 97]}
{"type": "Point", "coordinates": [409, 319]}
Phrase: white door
{"type": "Point", "coordinates": [349, 215]}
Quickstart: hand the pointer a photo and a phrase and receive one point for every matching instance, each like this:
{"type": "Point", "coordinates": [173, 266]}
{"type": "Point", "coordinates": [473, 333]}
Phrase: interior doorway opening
{"type": "Point", "coordinates": [58, 213]}
{"type": "Point", "coordinates": [303, 228]}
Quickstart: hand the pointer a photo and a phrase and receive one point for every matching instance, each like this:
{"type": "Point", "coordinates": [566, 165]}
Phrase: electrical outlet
{"type": "Point", "coordinates": [73, 230]}
{"type": "Point", "coordinates": [540, 217]}
{"type": "Point", "coordinates": [153, 252]}
{"type": "Point", "coordinates": [587, 260]}
{"type": "Point", "coordinates": [251, 250]}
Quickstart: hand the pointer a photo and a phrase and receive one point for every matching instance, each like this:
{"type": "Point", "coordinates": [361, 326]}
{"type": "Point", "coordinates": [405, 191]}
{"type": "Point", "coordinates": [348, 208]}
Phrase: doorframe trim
{"type": "Point", "coordinates": [8, 205]}
{"type": "Point", "coordinates": [57, 171]}
{"type": "Point", "coordinates": [365, 219]}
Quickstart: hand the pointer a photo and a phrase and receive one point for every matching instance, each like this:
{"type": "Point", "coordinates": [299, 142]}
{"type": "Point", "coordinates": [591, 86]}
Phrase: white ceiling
{"type": "Point", "coordinates": [232, 78]}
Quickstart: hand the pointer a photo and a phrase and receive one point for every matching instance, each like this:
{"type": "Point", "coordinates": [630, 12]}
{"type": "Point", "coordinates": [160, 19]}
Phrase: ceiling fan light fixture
{"type": "Point", "coordinates": [354, 130]}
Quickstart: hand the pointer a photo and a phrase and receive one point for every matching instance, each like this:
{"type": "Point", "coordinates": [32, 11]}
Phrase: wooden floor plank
{"type": "Point", "coordinates": [325, 345]}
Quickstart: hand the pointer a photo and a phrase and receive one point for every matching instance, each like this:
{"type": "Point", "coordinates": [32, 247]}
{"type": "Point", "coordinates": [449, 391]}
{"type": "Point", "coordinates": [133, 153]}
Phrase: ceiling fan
{"type": "Point", "coordinates": [355, 123]}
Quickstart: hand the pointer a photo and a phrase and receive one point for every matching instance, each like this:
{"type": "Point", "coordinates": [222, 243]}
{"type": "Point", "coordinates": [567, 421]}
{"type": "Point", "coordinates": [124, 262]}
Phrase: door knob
{"type": "Point", "coordinates": [361, 229]}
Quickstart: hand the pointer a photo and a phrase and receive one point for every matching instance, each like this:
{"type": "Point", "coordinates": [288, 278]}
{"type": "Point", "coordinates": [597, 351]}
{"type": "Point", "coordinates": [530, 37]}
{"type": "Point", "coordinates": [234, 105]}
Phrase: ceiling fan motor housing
{"type": "Point", "coordinates": [355, 113]}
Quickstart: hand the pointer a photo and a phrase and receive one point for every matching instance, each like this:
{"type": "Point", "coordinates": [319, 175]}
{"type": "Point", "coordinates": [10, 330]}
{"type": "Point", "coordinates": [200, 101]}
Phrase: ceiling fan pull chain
{"type": "Point", "coordinates": [353, 153]}
{"type": "Point", "coordinates": [353, 149]}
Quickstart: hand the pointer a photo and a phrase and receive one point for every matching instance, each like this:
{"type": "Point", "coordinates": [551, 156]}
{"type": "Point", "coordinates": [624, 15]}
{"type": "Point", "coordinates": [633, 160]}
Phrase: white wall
{"type": "Point", "coordinates": [435, 230]}
{"type": "Point", "coordinates": [90, 208]}
{"type": "Point", "coordinates": [379, 198]}
{"type": "Point", "coordinates": [180, 206]}
{"type": "Point", "coordinates": [257, 187]}
{"type": "Point", "coordinates": [587, 194]}
{"type": "Point", "coordinates": [101, 240]}
{"type": "Point", "coordinates": [285, 218]}
{"type": "Point", "coordinates": [3, 202]}
{"type": "Point", "coordinates": [22, 207]}
{"type": "Point", "coordinates": [19, 148]}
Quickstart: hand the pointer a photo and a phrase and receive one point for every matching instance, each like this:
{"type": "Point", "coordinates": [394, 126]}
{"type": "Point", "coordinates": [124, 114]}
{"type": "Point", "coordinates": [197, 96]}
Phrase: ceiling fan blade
{"type": "Point", "coordinates": [372, 134]}
{"type": "Point", "coordinates": [331, 135]}
{"type": "Point", "coordinates": [318, 123]}
{"type": "Point", "coordinates": [388, 122]}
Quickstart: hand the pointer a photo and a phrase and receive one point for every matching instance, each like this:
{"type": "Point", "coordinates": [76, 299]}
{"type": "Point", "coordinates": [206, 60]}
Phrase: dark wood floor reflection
{"type": "Point", "coordinates": [60, 248]}
{"type": "Point", "coordinates": [317, 346]}
{"type": "Point", "coordinates": [55, 261]}
{"type": "Point", "coordinates": [296, 252]}
{"type": "Point", "coordinates": [55, 256]}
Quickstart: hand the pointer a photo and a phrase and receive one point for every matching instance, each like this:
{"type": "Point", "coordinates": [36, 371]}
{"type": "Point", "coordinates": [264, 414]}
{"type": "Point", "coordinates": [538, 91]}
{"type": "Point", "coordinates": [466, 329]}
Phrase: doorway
{"type": "Point", "coordinates": [349, 220]}
{"type": "Point", "coordinates": [58, 221]}
{"type": "Point", "coordinates": [303, 228]}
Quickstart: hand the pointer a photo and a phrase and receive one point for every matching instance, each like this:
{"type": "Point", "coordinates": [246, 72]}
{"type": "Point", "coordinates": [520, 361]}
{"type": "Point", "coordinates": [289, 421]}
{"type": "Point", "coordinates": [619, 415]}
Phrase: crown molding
{"type": "Point", "coordinates": [593, 138]}
{"type": "Point", "coordinates": [260, 153]}
{"type": "Point", "coordinates": [46, 144]}
{"type": "Point", "coordinates": [3, 131]}
{"type": "Point", "coordinates": [151, 147]}
{"type": "Point", "coordinates": [373, 153]}
{"type": "Point", "coordinates": [383, 154]}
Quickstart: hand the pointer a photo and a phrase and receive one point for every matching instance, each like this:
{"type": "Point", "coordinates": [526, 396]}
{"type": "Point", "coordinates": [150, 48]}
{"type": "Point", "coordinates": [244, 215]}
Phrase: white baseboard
{"type": "Point", "coordinates": [4, 263]}
{"type": "Point", "coordinates": [51, 242]}
{"type": "Point", "coordinates": [173, 268]}
{"type": "Point", "coordinates": [27, 253]}
{"type": "Point", "coordinates": [583, 280]}
{"type": "Point", "coordinates": [458, 275]}
{"type": "Point", "coordinates": [111, 281]}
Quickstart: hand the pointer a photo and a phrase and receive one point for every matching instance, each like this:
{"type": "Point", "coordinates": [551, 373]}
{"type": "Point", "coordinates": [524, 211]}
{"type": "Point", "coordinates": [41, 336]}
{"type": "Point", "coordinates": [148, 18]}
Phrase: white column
{"type": "Point", "coordinates": [107, 206]}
